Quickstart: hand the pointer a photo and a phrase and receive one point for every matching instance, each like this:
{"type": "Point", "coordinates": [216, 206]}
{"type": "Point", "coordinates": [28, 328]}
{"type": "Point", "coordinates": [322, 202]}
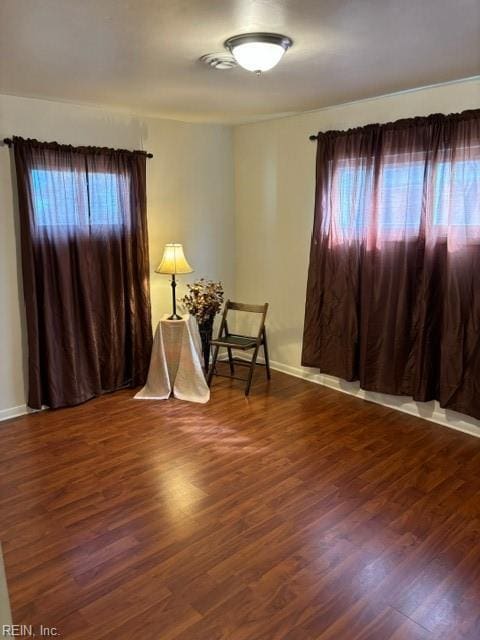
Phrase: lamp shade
{"type": "Point", "coordinates": [173, 260]}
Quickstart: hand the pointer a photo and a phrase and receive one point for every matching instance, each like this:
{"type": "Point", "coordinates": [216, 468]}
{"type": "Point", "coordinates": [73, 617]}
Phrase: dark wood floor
{"type": "Point", "coordinates": [301, 514]}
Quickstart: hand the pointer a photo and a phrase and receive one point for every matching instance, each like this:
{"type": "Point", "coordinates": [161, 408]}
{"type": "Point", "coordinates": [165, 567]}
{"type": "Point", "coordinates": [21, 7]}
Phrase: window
{"type": "Point", "coordinates": [399, 200]}
{"type": "Point", "coordinates": [456, 194]}
{"type": "Point", "coordinates": [77, 199]}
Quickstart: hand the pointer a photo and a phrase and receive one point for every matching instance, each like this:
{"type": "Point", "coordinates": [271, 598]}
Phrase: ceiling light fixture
{"type": "Point", "coordinates": [258, 52]}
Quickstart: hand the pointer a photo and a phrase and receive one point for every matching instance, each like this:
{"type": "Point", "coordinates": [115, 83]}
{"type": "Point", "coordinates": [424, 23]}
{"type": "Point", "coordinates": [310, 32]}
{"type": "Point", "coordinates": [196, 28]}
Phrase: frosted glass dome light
{"type": "Point", "coordinates": [258, 52]}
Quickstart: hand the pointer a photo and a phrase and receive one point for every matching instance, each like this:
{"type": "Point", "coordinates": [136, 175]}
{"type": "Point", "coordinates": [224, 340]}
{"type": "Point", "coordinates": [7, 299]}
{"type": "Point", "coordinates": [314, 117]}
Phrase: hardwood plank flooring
{"type": "Point", "coordinates": [298, 514]}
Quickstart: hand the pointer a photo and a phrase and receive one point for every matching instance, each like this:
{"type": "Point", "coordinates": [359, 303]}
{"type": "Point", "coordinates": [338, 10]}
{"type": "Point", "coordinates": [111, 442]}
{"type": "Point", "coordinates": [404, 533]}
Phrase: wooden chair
{"type": "Point", "coordinates": [235, 341]}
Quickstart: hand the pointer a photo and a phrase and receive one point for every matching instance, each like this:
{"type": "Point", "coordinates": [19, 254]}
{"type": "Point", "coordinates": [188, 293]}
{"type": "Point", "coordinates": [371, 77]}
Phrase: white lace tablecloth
{"type": "Point", "coordinates": [176, 363]}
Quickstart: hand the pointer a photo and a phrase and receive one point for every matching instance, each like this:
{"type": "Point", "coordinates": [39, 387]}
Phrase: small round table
{"type": "Point", "coordinates": [176, 363]}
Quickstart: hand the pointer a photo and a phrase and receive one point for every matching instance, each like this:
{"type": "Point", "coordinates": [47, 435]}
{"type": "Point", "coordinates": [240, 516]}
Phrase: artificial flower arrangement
{"type": "Point", "coordinates": [204, 299]}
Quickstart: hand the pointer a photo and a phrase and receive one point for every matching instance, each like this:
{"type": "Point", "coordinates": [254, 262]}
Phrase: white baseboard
{"type": "Point", "coordinates": [430, 411]}
{"type": "Point", "coordinates": [14, 412]}
{"type": "Point", "coordinates": [427, 410]}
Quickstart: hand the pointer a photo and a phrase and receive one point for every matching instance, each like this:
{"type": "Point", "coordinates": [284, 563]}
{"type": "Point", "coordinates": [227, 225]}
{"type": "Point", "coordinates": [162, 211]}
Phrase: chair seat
{"type": "Point", "coordinates": [235, 342]}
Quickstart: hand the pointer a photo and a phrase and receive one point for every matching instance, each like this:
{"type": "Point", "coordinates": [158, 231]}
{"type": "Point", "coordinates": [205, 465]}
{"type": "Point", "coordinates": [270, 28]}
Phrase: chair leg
{"type": "Point", "coordinates": [265, 351]}
{"type": "Point", "coordinates": [212, 366]}
{"type": "Point", "coordinates": [230, 360]}
{"type": "Point", "coordinates": [252, 369]}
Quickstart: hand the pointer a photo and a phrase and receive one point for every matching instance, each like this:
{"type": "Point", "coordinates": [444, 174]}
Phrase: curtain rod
{"type": "Point", "coordinates": [417, 120]}
{"type": "Point", "coordinates": [9, 143]}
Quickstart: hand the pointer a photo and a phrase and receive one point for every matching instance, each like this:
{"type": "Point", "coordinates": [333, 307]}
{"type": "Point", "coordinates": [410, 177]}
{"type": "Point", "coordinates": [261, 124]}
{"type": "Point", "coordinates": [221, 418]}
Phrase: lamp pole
{"type": "Point", "coordinates": [174, 315]}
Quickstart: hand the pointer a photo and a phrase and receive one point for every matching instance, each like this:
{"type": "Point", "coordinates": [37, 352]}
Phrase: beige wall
{"type": "Point", "coordinates": [274, 187]}
{"type": "Point", "coordinates": [190, 200]}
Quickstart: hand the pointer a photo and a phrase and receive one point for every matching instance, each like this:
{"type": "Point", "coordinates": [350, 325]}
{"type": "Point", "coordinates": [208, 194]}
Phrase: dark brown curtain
{"type": "Point", "coordinates": [393, 294]}
{"type": "Point", "coordinates": [85, 270]}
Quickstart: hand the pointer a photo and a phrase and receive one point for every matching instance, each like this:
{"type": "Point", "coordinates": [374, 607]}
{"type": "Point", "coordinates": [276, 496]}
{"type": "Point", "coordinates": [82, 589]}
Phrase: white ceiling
{"type": "Point", "coordinates": [142, 55]}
